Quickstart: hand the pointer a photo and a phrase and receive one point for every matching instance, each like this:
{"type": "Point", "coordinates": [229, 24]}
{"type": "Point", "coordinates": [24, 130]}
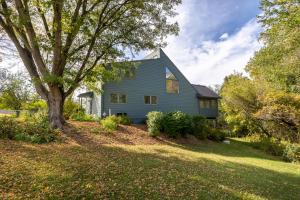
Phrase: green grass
{"type": "Point", "coordinates": [84, 168]}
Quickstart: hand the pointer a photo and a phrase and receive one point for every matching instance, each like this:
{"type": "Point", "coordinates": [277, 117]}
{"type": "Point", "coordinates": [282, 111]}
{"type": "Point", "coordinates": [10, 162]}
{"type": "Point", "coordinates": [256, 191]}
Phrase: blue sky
{"type": "Point", "coordinates": [217, 37]}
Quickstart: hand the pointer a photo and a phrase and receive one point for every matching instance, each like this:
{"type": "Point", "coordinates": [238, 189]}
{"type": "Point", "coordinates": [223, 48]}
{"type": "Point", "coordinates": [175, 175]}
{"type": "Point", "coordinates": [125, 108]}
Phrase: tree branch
{"type": "Point", "coordinates": [24, 14]}
{"type": "Point", "coordinates": [27, 59]}
{"type": "Point", "coordinates": [45, 23]}
{"type": "Point", "coordinates": [57, 32]}
{"type": "Point", "coordinates": [99, 29]}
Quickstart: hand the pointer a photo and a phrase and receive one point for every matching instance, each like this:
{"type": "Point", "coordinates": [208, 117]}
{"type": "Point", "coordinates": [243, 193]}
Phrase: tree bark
{"type": "Point", "coordinates": [55, 103]}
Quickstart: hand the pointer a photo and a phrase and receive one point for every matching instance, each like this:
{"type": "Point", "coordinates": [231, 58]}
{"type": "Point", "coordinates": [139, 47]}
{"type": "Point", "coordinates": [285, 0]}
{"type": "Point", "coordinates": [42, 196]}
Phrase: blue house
{"type": "Point", "coordinates": [157, 85]}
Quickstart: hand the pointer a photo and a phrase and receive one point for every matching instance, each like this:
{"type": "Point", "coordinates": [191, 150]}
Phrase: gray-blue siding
{"type": "Point", "coordinates": [149, 80]}
{"type": "Point", "coordinates": [209, 112]}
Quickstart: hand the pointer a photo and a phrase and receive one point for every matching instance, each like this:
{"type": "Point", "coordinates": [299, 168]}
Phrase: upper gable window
{"type": "Point", "coordinates": [172, 84]}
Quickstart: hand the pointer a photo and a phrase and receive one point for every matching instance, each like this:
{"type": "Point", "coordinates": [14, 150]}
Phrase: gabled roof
{"type": "Point", "coordinates": [203, 91]}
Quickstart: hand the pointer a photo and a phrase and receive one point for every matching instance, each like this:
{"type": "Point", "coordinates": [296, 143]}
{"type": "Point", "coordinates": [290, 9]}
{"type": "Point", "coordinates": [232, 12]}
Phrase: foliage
{"type": "Point", "coordinates": [216, 134]}
{"type": "Point", "coordinates": [155, 122]}
{"type": "Point", "coordinates": [176, 124]}
{"type": "Point", "coordinates": [8, 127]}
{"type": "Point", "coordinates": [65, 43]}
{"type": "Point", "coordinates": [82, 116]}
{"type": "Point", "coordinates": [35, 105]}
{"type": "Point", "coordinates": [278, 61]}
{"type": "Point", "coordinates": [71, 108]}
{"type": "Point", "coordinates": [291, 152]}
{"type": "Point", "coordinates": [239, 101]}
{"type": "Point", "coordinates": [15, 91]}
{"type": "Point", "coordinates": [110, 123]}
{"type": "Point", "coordinates": [288, 151]}
{"type": "Point", "coordinates": [123, 119]}
{"type": "Point", "coordinates": [199, 126]}
{"type": "Point", "coordinates": [268, 101]}
{"type": "Point", "coordinates": [249, 107]}
{"type": "Point", "coordinates": [33, 129]}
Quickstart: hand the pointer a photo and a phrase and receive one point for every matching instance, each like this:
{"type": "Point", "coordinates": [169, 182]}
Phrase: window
{"type": "Point", "coordinates": [150, 100]}
{"type": "Point", "coordinates": [172, 84]}
{"type": "Point", "coordinates": [153, 100]}
{"type": "Point", "coordinates": [208, 103]}
{"type": "Point", "coordinates": [214, 104]}
{"type": "Point", "coordinates": [113, 98]}
{"type": "Point", "coordinates": [118, 98]}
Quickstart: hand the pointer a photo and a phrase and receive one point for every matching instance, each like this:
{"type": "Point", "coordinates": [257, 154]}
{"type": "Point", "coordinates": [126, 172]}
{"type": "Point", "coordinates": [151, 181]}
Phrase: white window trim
{"type": "Point", "coordinates": [151, 104]}
{"type": "Point", "coordinates": [118, 97]}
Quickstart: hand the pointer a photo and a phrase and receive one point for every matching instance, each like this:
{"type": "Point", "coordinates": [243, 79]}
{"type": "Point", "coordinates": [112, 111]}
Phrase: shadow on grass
{"type": "Point", "coordinates": [92, 170]}
{"type": "Point", "coordinates": [219, 148]}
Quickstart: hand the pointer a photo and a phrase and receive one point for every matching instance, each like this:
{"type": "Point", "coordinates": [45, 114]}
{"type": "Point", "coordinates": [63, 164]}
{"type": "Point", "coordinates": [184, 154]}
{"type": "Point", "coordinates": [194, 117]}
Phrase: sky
{"type": "Point", "coordinates": [217, 38]}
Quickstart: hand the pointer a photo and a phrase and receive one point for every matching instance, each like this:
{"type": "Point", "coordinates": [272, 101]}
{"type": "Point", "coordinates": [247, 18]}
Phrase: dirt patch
{"type": "Point", "coordinates": [92, 134]}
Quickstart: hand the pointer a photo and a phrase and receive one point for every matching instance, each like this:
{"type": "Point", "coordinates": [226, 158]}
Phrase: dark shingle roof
{"type": "Point", "coordinates": [86, 94]}
{"type": "Point", "coordinates": [204, 91]}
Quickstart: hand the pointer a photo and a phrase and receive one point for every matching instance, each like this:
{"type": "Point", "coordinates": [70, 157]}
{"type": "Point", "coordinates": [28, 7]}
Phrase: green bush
{"type": "Point", "coordinates": [199, 126]}
{"type": "Point", "coordinates": [34, 105]}
{"type": "Point", "coordinates": [155, 122]}
{"type": "Point", "coordinates": [8, 127]}
{"type": "Point", "coordinates": [33, 129]}
{"type": "Point", "coordinates": [176, 124]}
{"type": "Point", "coordinates": [82, 117]}
{"type": "Point", "coordinates": [110, 123]}
{"type": "Point", "coordinates": [216, 135]}
{"type": "Point", "coordinates": [123, 119]}
{"type": "Point", "coordinates": [289, 152]}
{"type": "Point", "coordinates": [71, 108]}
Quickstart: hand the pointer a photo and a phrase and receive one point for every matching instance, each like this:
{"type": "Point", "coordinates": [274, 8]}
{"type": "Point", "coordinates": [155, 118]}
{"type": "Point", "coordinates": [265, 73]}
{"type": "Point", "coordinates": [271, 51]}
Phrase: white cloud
{"type": "Point", "coordinates": [209, 62]}
{"type": "Point", "coordinates": [224, 36]}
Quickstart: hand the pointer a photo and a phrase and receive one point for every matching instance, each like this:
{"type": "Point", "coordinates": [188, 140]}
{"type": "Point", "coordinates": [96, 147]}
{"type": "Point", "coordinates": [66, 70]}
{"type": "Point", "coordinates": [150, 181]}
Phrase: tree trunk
{"type": "Point", "coordinates": [55, 108]}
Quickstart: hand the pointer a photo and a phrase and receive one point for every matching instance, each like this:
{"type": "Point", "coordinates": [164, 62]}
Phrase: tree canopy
{"type": "Point", "coordinates": [63, 43]}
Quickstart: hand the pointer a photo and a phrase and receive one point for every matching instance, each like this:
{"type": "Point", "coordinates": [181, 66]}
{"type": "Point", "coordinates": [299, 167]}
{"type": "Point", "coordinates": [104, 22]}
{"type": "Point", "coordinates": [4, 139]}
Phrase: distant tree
{"type": "Point", "coordinates": [238, 104]}
{"type": "Point", "coordinates": [279, 60]}
{"type": "Point", "coordinates": [15, 90]}
{"type": "Point", "coordinates": [63, 43]}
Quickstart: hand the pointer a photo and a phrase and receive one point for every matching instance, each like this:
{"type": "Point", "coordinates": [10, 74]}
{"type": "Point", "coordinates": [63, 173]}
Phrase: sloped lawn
{"type": "Point", "coordinates": [128, 164]}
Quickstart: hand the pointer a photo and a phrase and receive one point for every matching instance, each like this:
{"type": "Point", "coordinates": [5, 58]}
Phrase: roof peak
{"type": "Point", "coordinates": [157, 53]}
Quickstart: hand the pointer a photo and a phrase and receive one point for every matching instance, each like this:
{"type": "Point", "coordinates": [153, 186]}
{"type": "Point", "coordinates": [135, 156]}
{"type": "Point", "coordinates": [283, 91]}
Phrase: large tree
{"type": "Point", "coordinates": [64, 42]}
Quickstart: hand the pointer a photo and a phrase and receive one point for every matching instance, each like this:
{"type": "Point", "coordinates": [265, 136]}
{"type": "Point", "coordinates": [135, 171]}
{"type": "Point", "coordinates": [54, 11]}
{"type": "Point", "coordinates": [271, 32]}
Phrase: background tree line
{"type": "Point", "coordinates": [268, 100]}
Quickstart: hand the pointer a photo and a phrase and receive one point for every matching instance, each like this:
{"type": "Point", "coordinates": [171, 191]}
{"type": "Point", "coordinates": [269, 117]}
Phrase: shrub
{"type": "Point", "coordinates": [291, 152]}
{"type": "Point", "coordinates": [8, 127]}
{"type": "Point", "coordinates": [33, 129]}
{"type": "Point", "coordinates": [216, 134]}
{"type": "Point", "coordinates": [82, 117]}
{"type": "Point", "coordinates": [123, 119]}
{"type": "Point", "coordinates": [288, 151]}
{"type": "Point", "coordinates": [34, 105]}
{"type": "Point", "coordinates": [199, 126]}
{"type": "Point", "coordinates": [176, 124]}
{"type": "Point", "coordinates": [155, 122]}
{"type": "Point", "coordinates": [110, 123]}
{"type": "Point", "coordinates": [71, 108]}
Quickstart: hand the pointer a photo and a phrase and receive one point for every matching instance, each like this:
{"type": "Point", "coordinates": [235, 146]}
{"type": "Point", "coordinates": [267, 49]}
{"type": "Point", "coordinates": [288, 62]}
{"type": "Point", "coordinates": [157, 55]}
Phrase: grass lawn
{"type": "Point", "coordinates": [128, 164]}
